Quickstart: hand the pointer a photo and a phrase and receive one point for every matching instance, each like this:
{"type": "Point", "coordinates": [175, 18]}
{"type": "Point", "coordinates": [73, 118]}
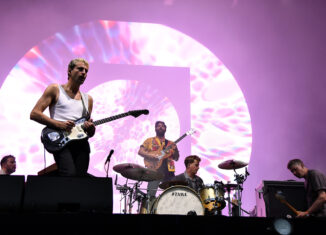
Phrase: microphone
{"type": "Point", "coordinates": [109, 156]}
{"type": "Point", "coordinates": [247, 173]}
{"type": "Point", "coordinates": [116, 179]}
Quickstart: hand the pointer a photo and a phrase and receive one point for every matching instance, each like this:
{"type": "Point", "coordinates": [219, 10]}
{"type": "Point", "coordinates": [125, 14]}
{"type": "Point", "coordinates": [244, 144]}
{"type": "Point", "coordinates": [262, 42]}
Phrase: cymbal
{"type": "Point", "coordinates": [232, 164]}
{"type": "Point", "coordinates": [124, 166]}
{"type": "Point", "coordinates": [142, 174]}
{"type": "Point", "coordinates": [168, 184]}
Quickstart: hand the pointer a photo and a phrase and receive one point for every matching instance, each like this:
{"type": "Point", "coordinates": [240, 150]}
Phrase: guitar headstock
{"type": "Point", "coordinates": [191, 131]}
{"type": "Point", "coordinates": [279, 195]}
{"type": "Point", "coordinates": [137, 113]}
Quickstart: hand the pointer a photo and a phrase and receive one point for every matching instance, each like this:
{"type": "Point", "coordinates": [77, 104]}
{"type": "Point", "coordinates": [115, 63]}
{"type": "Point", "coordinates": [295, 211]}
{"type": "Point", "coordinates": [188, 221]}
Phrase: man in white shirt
{"type": "Point", "coordinates": [66, 105]}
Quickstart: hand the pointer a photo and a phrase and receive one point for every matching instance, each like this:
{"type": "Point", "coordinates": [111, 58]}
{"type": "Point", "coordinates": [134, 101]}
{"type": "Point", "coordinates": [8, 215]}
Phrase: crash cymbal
{"type": "Point", "coordinates": [142, 174]}
{"type": "Point", "coordinates": [232, 164]}
{"type": "Point", "coordinates": [168, 184]}
{"type": "Point", "coordinates": [124, 166]}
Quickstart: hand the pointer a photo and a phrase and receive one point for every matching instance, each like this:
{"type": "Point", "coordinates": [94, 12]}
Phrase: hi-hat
{"type": "Point", "coordinates": [168, 184]}
{"type": "Point", "coordinates": [232, 164]}
{"type": "Point", "coordinates": [124, 166]}
{"type": "Point", "coordinates": [142, 174]}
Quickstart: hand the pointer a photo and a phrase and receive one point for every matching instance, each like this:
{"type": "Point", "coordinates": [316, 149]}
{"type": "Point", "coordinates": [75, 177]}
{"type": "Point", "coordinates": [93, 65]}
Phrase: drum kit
{"type": "Point", "coordinates": [177, 198]}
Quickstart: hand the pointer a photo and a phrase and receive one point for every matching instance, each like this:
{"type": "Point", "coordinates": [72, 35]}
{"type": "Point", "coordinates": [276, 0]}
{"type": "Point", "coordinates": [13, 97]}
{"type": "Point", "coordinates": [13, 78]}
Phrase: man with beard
{"type": "Point", "coordinates": [8, 165]}
{"type": "Point", "coordinates": [66, 105]}
{"type": "Point", "coordinates": [151, 149]}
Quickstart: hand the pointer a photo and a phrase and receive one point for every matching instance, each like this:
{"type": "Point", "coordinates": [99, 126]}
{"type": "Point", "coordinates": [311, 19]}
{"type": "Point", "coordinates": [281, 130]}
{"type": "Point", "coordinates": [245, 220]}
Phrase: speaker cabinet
{"type": "Point", "coordinates": [68, 194]}
{"type": "Point", "coordinates": [269, 206]}
{"type": "Point", "coordinates": [11, 192]}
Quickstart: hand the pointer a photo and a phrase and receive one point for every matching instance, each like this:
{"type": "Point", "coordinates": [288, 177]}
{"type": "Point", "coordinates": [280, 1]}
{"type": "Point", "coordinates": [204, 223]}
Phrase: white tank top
{"type": "Point", "coordinates": [67, 108]}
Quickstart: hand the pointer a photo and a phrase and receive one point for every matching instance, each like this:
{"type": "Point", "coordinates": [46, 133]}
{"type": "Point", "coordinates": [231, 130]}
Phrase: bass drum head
{"type": "Point", "coordinates": [178, 200]}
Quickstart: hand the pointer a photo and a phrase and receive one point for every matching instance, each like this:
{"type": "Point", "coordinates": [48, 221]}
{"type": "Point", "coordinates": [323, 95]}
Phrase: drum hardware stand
{"type": "Point", "coordinates": [148, 201]}
{"type": "Point", "coordinates": [229, 201]}
{"type": "Point", "coordinates": [234, 204]}
{"type": "Point", "coordinates": [240, 179]}
{"type": "Point", "coordinates": [138, 195]}
{"type": "Point", "coordinates": [124, 190]}
{"type": "Point", "coordinates": [217, 198]}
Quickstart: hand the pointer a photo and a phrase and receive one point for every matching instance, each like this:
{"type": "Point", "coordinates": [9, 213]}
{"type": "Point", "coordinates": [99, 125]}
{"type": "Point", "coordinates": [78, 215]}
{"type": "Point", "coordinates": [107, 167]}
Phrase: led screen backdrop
{"type": "Point", "coordinates": [188, 87]}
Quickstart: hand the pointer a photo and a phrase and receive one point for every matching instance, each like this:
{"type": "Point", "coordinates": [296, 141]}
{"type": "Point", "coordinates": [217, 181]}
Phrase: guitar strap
{"type": "Point", "coordinates": [166, 143]}
{"type": "Point", "coordinates": [170, 162]}
{"type": "Point", "coordinates": [85, 109]}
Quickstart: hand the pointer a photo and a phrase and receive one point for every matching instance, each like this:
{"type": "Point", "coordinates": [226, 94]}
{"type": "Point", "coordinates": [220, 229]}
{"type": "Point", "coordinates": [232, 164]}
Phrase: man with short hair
{"type": "Point", "coordinates": [8, 165]}
{"type": "Point", "coordinates": [190, 175]}
{"type": "Point", "coordinates": [66, 105]}
{"type": "Point", "coordinates": [315, 188]}
{"type": "Point", "coordinates": [150, 150]}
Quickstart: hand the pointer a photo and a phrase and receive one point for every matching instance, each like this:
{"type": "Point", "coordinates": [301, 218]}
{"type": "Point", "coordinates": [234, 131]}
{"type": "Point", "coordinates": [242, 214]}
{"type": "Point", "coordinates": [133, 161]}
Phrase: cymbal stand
{"type": "Point", "coordinates": [218, 185]}
{"type": "Point", "coordinates": [124, 189]}
{"type": "Point", "coordinates": [240, 179]}
{"type": "Point", "coordinates": [138, 195]}
{"type": "Point", "coordinates": [228, 199]}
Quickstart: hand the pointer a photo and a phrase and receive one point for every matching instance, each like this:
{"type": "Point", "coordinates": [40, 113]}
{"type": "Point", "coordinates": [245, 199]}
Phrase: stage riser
{"type": "Point", "coordinates": [55, 194]}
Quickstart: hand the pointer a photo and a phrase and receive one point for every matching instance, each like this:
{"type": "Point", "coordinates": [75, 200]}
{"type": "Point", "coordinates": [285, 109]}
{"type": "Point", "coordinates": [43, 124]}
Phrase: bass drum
{"type": "Point", "coordinates": [178, 200]}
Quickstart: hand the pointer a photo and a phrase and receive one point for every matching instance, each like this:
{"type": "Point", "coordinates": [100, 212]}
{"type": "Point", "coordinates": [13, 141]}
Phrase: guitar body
{"type": "Point", "coordinates": [154, 164]}
{"type": "Point", "coordinates": [55, 140]}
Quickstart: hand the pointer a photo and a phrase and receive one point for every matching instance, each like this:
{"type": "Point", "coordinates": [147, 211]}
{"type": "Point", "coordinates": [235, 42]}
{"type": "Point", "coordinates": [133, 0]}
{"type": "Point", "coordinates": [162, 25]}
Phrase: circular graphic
{"type": "Point", "coordinates": [218, 110]}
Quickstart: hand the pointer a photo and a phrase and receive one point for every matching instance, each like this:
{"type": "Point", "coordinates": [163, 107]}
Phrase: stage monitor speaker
{"type": "Point", "coordinates": [11, 193]}
{"type": "Point", "coordinates": [269, 206]}
{"type": "Point", "coordinates": [68, 194]}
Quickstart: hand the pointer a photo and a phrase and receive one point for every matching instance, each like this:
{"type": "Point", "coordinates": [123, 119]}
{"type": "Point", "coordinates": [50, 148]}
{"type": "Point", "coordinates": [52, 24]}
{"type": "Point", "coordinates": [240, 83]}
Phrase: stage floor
{"type": "Point", "coordinates": [101, 223]}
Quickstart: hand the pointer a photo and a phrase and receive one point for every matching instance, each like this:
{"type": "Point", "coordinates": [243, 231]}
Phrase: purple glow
{"type": "Point", "coordinates": [218, 110]}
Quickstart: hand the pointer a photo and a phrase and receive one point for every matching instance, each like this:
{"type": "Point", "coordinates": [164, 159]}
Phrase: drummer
{"type": "Point", "coordinates": [190, 175]}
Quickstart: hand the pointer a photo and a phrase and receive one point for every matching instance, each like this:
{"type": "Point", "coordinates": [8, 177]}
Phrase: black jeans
{"type": "Point", "coordinates": [73, 160]}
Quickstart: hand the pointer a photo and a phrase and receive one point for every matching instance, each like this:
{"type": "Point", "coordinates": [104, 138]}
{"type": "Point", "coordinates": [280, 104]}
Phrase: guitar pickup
{"type": "Point", "coordinates": [53, 136]}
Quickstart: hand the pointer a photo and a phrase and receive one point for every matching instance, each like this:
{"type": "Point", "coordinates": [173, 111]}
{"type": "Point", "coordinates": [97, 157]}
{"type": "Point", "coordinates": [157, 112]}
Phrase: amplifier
{"type": "Point", "coordinates": [269, 206]}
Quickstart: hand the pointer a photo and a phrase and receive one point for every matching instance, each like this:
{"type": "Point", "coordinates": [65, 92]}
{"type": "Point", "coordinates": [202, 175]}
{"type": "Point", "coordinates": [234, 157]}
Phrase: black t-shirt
{"type": "Point", "coordinates": [315, 182]}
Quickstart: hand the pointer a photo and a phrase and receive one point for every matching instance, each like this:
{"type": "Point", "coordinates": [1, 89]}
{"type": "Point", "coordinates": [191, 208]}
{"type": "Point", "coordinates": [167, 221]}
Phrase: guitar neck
{"type": "Point", "coordinates": [178, 140]}
{"type": "Point", "coordinates": [109, 119]}
{"type": "Point", "coordinates": [291, 207]}
{"type": "Point", "coordinates": [282, 200]}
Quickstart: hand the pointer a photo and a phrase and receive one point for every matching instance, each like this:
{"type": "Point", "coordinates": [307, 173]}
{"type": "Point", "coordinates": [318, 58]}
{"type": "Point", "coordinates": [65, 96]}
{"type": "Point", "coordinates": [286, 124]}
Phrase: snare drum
{"type": "Point", "coordinates": [212, 197]}
{"type": "Point", "coordinates": [178, 200]}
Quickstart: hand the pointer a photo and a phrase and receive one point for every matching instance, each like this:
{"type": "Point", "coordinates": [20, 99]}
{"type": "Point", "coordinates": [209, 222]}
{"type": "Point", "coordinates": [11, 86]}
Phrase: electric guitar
{"type": "Point", "coordinates": [163, 153]}
{"type": "Point", "coordinates": [55, 140]}
{"type": "Point", "coordinates": [281, 198]}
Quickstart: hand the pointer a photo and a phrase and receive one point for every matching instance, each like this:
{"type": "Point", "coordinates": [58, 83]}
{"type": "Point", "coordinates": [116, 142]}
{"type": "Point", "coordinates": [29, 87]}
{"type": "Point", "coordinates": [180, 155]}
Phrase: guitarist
{"type": "Point", "coordinates": [315, 188]}
{"type": "Point", "coordinates": [66, 104]}
{"type": "Point", "coordinates": [149, 150]}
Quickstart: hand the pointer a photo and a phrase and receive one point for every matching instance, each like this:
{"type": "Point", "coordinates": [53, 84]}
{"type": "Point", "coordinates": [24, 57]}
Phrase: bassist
{"type": "Point", "coordinates": [66, 104]}
{"type": "Point", "coordinates": [150, 151]}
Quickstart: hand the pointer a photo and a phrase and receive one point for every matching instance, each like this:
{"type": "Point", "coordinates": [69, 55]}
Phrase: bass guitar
{"type": "Point", "coordinates": [162, 154]}
{"type": "Point", "coordinates": [282, 199]}
{"type": "Point", "coordinates": [55, 140]}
